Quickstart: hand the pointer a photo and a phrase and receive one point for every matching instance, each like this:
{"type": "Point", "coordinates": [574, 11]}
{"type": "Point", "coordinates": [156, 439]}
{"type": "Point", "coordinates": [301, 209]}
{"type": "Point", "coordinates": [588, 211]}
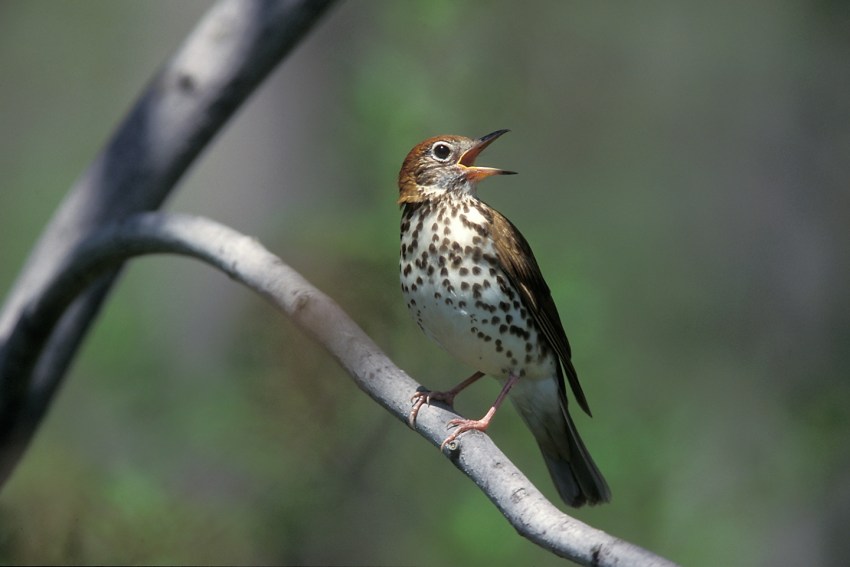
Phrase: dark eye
{"type": "Point", "coordinates": [441, 151]}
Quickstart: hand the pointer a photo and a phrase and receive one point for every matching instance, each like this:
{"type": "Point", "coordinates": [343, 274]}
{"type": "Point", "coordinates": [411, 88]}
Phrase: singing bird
{"type": "Point", "coordinates": [472, 284]}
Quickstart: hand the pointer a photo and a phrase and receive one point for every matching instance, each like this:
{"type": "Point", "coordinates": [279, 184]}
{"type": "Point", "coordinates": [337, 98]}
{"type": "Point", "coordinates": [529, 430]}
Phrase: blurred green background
{"type": "Point", "coordinates": [684, 181]}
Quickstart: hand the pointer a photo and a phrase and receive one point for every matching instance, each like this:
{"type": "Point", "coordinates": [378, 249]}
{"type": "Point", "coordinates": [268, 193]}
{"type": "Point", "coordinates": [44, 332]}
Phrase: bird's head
{"type": "Point", "coordinates": [444, 164]}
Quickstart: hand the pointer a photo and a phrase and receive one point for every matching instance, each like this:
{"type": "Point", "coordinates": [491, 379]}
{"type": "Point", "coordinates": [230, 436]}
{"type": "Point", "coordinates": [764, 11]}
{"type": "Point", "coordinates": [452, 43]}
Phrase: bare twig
{"type": "Point", "coordinates": [245, 260]}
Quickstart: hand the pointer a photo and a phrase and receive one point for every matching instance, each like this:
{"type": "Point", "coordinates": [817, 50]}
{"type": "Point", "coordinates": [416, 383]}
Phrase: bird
{"type": "Point", "coordinates": [473, 285]}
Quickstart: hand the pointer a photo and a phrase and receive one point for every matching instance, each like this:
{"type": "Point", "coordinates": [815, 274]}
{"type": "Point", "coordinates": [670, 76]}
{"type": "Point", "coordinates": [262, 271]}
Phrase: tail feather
{"type": "Point", "coordinates": [573, 471]}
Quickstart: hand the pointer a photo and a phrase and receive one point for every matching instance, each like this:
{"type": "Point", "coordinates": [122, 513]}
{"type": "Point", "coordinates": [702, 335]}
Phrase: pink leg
{"type": "Point", "coordinates": [464, 425]}
{"type": "Point", "coordinates": [423, 398]}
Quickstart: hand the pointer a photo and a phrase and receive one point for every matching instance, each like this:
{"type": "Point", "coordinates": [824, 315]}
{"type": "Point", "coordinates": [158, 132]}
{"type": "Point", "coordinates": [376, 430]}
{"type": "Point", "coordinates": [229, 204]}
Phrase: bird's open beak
{"type": "Point", "coordinates": [467, 160]}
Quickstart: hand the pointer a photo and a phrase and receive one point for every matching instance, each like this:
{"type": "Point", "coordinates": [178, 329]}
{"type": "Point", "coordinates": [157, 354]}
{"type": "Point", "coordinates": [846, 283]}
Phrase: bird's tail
{"type": "Point", "coordinates": [573, 471]}
{"type": "Point", "coordinates": [575, 474]}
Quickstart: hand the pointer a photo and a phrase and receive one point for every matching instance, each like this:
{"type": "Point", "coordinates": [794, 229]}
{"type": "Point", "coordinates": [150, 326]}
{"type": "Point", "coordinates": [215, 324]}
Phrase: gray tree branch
{"type": "Point", "coordinates": [245, 260]}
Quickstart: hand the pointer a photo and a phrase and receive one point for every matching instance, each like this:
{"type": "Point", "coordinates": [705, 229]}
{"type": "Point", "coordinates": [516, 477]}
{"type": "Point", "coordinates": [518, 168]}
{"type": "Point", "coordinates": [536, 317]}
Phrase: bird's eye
{"type": "Point", "coordinates": [441, 151]}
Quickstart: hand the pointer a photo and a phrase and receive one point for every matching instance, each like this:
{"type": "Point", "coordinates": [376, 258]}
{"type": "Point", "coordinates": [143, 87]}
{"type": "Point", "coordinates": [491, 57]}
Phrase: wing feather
{"type": "Point", "coordinates": [522, 270]}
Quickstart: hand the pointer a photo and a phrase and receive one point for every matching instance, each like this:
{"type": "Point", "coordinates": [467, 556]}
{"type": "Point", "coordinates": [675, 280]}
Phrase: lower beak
{"type": "Point", "coordinates": [467, 160]}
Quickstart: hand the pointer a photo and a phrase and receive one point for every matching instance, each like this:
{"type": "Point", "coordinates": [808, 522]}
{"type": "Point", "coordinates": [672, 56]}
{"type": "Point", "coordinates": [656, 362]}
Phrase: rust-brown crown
{"type": "Point", "coordinates": [444, 163]}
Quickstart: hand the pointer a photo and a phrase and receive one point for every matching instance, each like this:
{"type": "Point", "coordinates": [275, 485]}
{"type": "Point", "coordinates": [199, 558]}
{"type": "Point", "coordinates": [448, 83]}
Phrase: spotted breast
{"type": "Point", "coordinates": [455, 289]}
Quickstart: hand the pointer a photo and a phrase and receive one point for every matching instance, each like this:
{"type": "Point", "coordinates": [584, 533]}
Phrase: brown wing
{"type": "Point", "coordinates": [522, 270]}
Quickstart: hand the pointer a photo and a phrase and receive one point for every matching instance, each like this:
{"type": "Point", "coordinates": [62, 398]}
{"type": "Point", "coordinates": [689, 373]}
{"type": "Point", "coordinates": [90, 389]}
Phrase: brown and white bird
{"type": "Point", "coordinates": [472, 284]}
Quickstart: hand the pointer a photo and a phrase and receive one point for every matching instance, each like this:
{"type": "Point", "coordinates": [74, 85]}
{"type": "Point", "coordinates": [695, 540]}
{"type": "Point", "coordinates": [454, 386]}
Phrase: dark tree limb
{"type": "Point", "coordinates": [245, 260]}
{"type": "Point", "coordinates": [233, 48]}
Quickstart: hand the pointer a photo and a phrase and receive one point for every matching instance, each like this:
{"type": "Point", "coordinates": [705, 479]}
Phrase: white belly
{"type": "Point", "coordinates": [461, 302]}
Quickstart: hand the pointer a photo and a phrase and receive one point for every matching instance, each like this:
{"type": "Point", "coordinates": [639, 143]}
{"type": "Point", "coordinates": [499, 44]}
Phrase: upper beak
{"type": "Point", "coordinates": [467, 160]}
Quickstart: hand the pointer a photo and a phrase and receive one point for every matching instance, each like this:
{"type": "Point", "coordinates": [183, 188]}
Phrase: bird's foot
{"type": "Point", "coordinates": [425, 397]}
{"type": "Point", "coordinates": [464, 425]}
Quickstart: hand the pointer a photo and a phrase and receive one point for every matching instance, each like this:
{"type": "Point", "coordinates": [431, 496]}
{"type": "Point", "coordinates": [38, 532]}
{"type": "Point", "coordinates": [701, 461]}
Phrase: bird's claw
{"type": "Point", "coordinates": [424, 397]}
{"type": "Point", "coordinates": [418, 399]}
{"type": "Point", "coordinates": [463, 425]}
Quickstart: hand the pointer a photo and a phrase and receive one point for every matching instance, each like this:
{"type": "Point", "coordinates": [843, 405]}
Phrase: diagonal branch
{"type": "Point", "coordinates": [246, 261]}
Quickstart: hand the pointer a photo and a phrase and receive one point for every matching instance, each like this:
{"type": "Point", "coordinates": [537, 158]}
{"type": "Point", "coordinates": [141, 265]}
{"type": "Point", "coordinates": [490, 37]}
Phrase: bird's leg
{"type": "Point", "coordinates": [421, 398]}
{"type": "Point", "coordinates": [482, 424]}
